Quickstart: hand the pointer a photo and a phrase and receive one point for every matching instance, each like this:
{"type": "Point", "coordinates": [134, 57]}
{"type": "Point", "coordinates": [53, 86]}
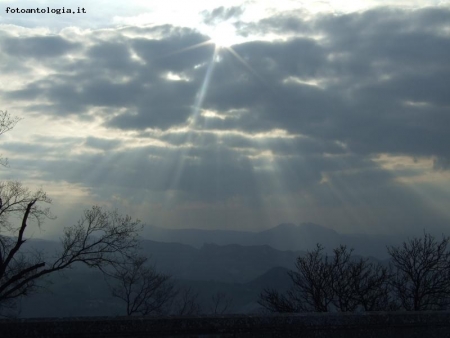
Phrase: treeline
{"type": "Point", "coordinates": [417, 278]}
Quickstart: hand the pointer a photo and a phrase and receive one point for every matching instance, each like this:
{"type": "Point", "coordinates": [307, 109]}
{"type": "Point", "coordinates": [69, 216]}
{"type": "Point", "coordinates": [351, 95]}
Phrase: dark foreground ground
{"type": "Point", "coordinates": [368, 325]}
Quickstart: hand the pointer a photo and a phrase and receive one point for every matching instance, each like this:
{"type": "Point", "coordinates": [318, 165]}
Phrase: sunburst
{"type": "Point", "coordinates": [223, 35]}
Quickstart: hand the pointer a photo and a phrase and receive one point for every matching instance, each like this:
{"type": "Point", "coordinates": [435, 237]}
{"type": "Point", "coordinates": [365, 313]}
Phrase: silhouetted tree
{"type": "Point", "coordinates": [339, 282]}
{"type": "Point", "coordinates": [220, 303]}
{"type": "Point", "coordinates": [186, 303]}
{"type": "Point", "coordinates": [144, 290]}
{"type": "Point", "coordinates": [99, 239]}
{"type": "Point", "coordinates": [274, 301]}
{"type": "Point", "coordinates": [17, 269]}
{"type": "Point", "coordinates": [312, 290]}
{"type": "Point", "coordinates": [422, 273]}
{"type": "Point", "coordinates": [371, 286]}
{"type": "Point", "coordinates": [358, 283]}
{"type": "Point", "coordinates": [312, 286]}
{"type": "Point", "coordinates": [7, 122]}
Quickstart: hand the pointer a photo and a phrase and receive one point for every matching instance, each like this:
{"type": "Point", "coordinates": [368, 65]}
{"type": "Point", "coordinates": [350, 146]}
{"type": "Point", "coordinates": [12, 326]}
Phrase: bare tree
{"type": "Point", "coordinates": [312, 286]}
{"type": "Point", "coordinates": [274, 301]}
{"type": "Point", "coordinates": [141, 287]}
{"type": "Point", "coordinates": [340, 283]}
{"type": "Point", "coordinates": [371, 286]}
{"type": "Point", "coordinates": [16, 269]}
{"type": "Point", "coordinates": [312, 290]}
{"type": "Point", "coordinates": [187, 303]}
{"type": "Point", "coordinates": [422, 273]}
{"type": "Point", "coordinates": [6, 123]}
{"type": "Point", "coordinates": [358, 283]}
{"type": "Point", "coordinates": [220, 303]}
{"type": "Point", "coordinates": [99, 239]}
{"type": "Point", "coordinates": [342, 280]}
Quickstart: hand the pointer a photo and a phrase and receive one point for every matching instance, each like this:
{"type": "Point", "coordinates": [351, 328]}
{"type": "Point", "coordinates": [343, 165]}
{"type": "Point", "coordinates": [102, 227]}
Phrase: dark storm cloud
{"type": "Point", "coordinates": [220, 14]}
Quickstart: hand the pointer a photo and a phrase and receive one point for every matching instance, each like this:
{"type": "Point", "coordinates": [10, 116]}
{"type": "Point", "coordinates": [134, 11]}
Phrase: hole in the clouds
{"type": "Point", "coordinates": [212, 114]}
{"type": "Point", "coordinates": [176, 77]}
{"type": "Point", "coordinates": [223, 35]}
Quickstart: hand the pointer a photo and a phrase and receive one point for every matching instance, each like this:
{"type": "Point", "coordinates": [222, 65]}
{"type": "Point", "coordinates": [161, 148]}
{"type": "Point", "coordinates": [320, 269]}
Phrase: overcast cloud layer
{"type": "Point", "coordinates": [338, 119]}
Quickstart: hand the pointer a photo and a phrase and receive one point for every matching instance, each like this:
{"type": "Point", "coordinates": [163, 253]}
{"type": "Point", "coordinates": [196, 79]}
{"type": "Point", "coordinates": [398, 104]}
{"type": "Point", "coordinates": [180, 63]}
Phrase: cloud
{"type": "Point", "coordinates": [294, 125]}
{"type": "Point", "coordinates": [383, 80]}
{"type": "Point", "coordinates": [102, 144]}
{"type": "Point", "coordinates": [221, 14]}
{"type": "Point", "coordinates": [37, 47]}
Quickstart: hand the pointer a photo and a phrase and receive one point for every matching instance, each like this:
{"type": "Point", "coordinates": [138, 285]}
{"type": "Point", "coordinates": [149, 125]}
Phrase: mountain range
{"type": "Point", "coordinates": [236, 263]}
{"type": "Point", "coordinates": [286, 236]}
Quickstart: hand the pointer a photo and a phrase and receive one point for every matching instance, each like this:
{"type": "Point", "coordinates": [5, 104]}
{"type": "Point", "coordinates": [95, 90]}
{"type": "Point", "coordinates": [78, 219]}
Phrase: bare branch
{"type": "Point", "coordinates": [273, 301]}
{"type": "Point", "coordinates": [143, 290]}
{"type": "Point", "coordinates": [100, 239]}
{"type": "Point", "coordinates": [220, 303]}
{"type": "Point", "coordinates": [422, 273]}
{"type": "Point", "coordinates": [187, 303]}
{"type": "Point", "coordinates": [6, 123]}
{"type": "Point", "coordinates": [341, 283]}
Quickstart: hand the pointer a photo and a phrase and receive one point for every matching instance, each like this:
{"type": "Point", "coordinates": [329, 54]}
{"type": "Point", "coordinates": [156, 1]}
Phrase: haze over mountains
{"type": "Point", "coordinates": [239, 272]}
{"type": "Point", "coordinates": [236, 263]}
{"type": "Point", "coordinates": [286, 236]}
{"type": "Point", "coordinates": [239, 256]}
{"type": "Point", "coordinates": [221, 263]}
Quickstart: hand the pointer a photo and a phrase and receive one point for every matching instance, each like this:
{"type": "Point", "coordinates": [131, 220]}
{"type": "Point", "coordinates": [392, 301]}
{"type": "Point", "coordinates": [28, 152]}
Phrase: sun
{"type": "Point", "coordinates": [223, 35]}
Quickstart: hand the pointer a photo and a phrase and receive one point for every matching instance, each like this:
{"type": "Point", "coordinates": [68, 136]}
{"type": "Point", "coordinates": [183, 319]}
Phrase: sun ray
{"type": "Point", "coordinates": [182, 156]}
{"type": "Point", "coordinates": [193, 121]}
{"type": "Point", "coordinates": [202, 93]}
{"type": "Point", "coordinates": [246, 64]}
{"type": "Point", "coordinates": [198, 45]}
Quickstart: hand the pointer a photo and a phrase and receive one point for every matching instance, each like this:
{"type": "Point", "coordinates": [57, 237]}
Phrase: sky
{"type": "Point", "coordinates": [233, 114]}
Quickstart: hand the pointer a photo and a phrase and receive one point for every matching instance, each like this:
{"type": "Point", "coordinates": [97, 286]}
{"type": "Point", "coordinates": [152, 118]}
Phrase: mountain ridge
{"type": "Point", "coordinates": [285, 236]}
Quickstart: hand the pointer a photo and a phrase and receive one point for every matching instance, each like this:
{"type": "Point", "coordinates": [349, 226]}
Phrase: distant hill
{"type": "Point", "coordinates": [239, 264]}
{"type": "Point", "coordinates": [289, 236]}
{"type": "Point", "coordinates": [198, 237]}
{"type": "Point", "coordinates": [275, 278]}
{"type": "Point", "coordinates": [226, 263]}
{"type": "Point", "coordinates": [286, 236]}
{"type": "Point", "coordinates": [240, 272]}
{"type": "Point", "coordinates": [71, 296]}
